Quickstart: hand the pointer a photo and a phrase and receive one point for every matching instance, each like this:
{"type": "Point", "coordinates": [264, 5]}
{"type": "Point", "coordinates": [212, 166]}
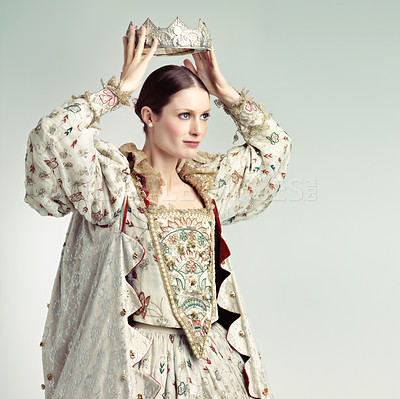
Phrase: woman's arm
{"type": "Point", "coordinates": [66, 167]}
{"type": "Point", "coordinates": [247, 177]}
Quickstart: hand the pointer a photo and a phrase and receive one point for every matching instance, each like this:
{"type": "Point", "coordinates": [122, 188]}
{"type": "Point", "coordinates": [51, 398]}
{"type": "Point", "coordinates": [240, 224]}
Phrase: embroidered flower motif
{"type": "Point", "coordinates": [51, 163]}
{"type": "Point", "coordinates": [251, 106]}
{"type": "Point", "coordinates": [76, 197]}
{"type": "Point", "coordinates": [183, 235]}
{"type": "Point", "coordinates": [165, 248]}
{"type": "Point", "coordinates": [182, 389]}
{"type": "Point", "coordinates": [236, 177]}
{"type": "Point", "coordinates": [190, 266]}
{"type": "Point", "coordinates": [108, 97]}
{"type": "Point", "coordinates": [98, 216]}
{"type": "Point", "coordinates": [274, 138]}
{"type": "Point", "coordinates": [75, 108]}
{"type": "Point", "coordinates": [173, 239]}
{"type": "Point", "coordinates": [44, 175]}
{"type": "Point", "coordinates": [145, 303]}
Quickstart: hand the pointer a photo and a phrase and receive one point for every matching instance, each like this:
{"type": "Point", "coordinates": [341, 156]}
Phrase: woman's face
{"type": "Point", "coordinates": [182, 124]}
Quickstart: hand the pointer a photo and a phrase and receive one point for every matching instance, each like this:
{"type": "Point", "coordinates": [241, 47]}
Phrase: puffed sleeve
{"type": "Point", "coordinates": [67, 169]}
{"type": "Point", "coordinates": [249, 176]}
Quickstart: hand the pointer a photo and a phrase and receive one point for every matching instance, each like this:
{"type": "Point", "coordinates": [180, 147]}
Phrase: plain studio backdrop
{"type": "Point", "coordinates": [319, 269]}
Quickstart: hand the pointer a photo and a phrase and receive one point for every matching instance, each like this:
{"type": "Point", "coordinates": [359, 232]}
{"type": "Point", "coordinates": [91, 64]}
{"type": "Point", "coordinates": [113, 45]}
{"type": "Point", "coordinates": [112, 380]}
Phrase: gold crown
{"type": "Point", "coordinates": [176, 39]}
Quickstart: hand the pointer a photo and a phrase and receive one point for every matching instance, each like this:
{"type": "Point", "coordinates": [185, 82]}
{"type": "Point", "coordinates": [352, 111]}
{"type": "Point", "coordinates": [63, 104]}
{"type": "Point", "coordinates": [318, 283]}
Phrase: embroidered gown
{"type": "Point", "coordinates": [145, 303]}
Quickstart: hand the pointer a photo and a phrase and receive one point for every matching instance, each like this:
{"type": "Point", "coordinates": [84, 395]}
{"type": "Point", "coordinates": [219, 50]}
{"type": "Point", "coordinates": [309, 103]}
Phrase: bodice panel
{"type": "Point", "coordinates": [184, 246]}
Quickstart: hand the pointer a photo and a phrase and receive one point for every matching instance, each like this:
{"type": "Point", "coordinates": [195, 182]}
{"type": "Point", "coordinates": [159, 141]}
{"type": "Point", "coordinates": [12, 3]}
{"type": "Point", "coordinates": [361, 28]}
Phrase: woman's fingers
{"type": "Point", "coordinates": [212, 53]}
{"type": "Point", "coordinates": [188, 64]}
{"type": "Point", "coordinates": [142, 38]}
{"type": "Point", "coordinates": [198, 60]}
{"type": "Point", "coordinates": [131, 44]}
{"type": "Point", "coordinates": [152, 50]}
{"type": "Point", "coordinates": [125, 44]}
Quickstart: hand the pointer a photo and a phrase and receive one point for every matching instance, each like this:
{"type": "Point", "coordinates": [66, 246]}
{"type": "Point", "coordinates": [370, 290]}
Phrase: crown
{"type": "Point", "coordinates": [176, 39]}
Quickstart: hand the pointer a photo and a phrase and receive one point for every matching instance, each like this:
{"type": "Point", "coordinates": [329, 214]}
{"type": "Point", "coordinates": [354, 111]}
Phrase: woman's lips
{"type": "Point", "coordinates": [192, 144]}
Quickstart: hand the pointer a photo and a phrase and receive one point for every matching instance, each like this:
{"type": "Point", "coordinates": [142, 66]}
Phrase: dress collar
{"type": "Point", "coordinates": [195, 172]}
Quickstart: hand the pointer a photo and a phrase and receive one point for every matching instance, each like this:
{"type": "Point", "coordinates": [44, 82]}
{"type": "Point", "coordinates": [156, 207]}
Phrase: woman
{"type": "Point", "coordinates": [145, 304]}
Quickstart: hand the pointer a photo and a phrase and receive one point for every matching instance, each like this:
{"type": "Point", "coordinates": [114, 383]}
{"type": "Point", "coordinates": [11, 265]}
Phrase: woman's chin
{"type": "Point", "coordinates": [188, 154]}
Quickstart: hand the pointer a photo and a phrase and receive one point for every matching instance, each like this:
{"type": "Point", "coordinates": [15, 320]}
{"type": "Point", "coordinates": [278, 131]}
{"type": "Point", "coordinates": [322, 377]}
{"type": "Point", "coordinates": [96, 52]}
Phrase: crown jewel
{"type": "Point", "coordinates": [176, 39]}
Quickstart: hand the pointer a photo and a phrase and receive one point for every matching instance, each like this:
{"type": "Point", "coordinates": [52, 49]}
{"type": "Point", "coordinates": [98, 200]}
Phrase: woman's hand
{"type": "Point", "coordinates": [208, 71]}
{"type": "Point", "coordinates": [134, 63]}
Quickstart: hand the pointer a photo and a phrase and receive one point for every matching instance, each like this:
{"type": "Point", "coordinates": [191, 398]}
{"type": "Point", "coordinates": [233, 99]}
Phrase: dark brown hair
{"type": "Point", "coordinates": [162, 84]}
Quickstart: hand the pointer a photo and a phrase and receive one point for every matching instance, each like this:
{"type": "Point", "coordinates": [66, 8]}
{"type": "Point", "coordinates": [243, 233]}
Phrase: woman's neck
{"type": "Point", "coordinates": [165, 165]}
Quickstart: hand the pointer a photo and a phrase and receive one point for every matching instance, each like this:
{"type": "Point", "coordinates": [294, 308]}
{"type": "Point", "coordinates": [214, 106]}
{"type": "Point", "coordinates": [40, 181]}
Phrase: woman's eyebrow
{"type": "Point", "coordinates": [191, 110]}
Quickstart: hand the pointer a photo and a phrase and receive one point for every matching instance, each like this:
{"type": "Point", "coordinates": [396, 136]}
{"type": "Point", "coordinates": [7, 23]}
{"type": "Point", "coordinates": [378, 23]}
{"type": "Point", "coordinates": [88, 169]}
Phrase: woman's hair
{"type": "Point", "coordinates": [162, 84]}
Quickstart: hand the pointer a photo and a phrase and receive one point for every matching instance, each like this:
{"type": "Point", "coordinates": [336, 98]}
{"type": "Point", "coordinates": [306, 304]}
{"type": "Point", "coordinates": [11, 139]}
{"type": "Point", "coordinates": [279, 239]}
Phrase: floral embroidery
{"type": "Point", "coordinates": [186, 241]}
{"type": "Point", "coordinates": [145, 303]}
{"type": "Point", "coordinates": [182, 389]}
{"type": "Point", "coordinates": [76, 197]}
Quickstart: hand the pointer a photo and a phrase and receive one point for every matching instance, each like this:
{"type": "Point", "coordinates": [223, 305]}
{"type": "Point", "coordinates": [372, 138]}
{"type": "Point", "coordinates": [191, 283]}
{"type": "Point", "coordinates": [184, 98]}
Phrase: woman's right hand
{"type": "Point", "coordinates": [134, 63]}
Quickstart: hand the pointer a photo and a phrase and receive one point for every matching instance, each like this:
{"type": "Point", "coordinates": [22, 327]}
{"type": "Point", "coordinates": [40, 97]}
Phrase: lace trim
{"type": "Point", "coordinates": [236, 112]}
{"type": "Point", "coordinates": [96, 116]}
{"type": "Point", "coordinates": [115, 87]}
{"type": "Point", "coordinates": [200, 178]}
{"type": "Point", "coordinates": [171, 208]}
{"type": "Point", "coordinates": [148, 181]}
{"type": "Point", "coordinates": [122, 95]}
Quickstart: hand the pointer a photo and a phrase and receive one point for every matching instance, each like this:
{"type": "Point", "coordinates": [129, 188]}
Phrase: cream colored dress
{"type": "Point", "coordinates": [145, 303]}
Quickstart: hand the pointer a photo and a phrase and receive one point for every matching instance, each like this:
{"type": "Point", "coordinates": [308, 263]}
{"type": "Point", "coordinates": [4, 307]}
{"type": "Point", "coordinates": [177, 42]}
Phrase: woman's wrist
{"type": "Point", "coordinates": [125, 87]}
{"type": "Point", "coordinates": [229, 97]}
{"type": "Point", "coordinates": [122, 94]}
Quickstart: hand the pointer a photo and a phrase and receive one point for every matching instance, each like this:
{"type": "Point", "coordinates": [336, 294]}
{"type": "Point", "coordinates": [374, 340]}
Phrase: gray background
{"type": "Point", "coordinates": [319, 270]}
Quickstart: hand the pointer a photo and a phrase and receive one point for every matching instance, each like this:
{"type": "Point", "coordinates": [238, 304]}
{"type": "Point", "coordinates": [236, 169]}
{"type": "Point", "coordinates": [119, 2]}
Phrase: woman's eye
{"type": "Point", "coordinates": [185, 115]}
{"type": "Point", "coordinates": [205, 116]}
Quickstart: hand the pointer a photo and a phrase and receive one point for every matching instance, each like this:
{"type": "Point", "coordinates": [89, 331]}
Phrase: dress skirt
{"type": "Point", "coordinates": [180, 374]}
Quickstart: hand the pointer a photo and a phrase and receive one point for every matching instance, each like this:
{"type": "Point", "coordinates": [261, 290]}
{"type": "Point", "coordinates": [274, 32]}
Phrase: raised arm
{"type": "Point", "coordinates": [66, 167]}
{"type": "Point", "coordinates": [247, 177]}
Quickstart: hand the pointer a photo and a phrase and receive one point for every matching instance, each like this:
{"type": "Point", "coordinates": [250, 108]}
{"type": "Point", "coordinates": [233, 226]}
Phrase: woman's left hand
{"type": "Point", "coordinates": [208, 71]}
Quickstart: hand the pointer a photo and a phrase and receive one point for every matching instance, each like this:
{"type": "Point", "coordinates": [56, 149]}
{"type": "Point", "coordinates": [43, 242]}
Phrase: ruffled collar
{"type": "Point", "coordinates": [195, 172]}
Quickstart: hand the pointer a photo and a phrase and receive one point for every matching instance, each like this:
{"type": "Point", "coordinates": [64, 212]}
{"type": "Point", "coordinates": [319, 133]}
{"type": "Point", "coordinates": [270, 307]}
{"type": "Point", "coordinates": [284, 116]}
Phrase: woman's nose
{"type": "Point", "coordinates": [196, 128]}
